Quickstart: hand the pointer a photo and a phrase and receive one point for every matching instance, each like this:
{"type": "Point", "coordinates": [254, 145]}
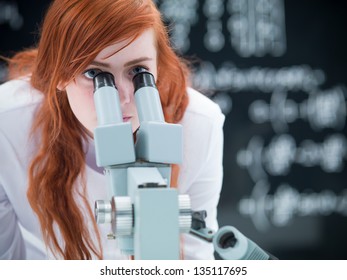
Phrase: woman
{"type": "Point", "coordinates": [48, 177]}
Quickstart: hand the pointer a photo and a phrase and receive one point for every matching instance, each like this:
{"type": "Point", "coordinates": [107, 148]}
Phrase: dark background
{"type": "Point", "coordinates": [285, 136]}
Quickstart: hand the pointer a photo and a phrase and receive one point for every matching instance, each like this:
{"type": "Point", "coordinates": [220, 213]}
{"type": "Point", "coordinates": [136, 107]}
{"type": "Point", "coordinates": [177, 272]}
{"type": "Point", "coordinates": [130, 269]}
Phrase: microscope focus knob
{"type": "Point", "coordinates": [103, 211]}
{"type": "Point", "coordinates": [123, 221]}
{"type": "Point", "coordinates": [185, 213]}
{"type": "Point", "coordinates": [119, 212]}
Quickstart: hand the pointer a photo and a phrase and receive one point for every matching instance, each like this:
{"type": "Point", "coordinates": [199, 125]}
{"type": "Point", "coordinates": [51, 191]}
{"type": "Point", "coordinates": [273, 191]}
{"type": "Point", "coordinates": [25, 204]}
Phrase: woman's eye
{"type": "Point", "coordinates": [91, 73]}
{"type": "Point", "coordinates": [138, 69]}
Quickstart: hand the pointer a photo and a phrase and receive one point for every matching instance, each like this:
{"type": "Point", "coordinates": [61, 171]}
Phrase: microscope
{"type": "Point", "coordinates": [146, 215]}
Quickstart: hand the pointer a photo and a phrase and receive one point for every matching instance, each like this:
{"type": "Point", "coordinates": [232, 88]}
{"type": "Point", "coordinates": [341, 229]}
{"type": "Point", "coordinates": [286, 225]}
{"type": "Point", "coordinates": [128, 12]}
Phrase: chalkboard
{"type": "Point", "coordinates": [277, 70]}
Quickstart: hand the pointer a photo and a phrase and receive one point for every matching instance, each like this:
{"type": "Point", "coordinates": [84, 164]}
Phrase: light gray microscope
{"type": "Point", "coordinates": [146, 215]}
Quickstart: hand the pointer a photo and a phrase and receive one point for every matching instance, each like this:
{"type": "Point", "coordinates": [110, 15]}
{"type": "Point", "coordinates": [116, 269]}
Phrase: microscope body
{"type": "Point", "coordinates": [146, 215]}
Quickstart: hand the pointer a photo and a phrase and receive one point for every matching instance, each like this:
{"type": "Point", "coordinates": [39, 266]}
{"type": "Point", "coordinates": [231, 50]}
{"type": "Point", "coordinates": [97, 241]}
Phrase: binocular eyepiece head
{"type": "Point", "coordinates": [141, 79]}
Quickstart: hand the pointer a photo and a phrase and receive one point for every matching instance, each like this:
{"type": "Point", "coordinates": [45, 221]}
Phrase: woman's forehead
{"type": "Point", "coordinates": [143, 44]}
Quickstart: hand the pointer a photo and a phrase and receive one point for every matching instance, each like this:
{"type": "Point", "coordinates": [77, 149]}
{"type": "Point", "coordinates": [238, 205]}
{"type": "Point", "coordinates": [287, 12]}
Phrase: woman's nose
{"type": "Point", "coordinates": [126, 92]}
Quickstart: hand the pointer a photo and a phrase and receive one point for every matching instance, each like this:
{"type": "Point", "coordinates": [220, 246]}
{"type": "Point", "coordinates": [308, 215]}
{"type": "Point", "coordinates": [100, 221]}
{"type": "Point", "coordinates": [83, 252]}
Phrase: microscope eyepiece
{"type": "Point", "coordinates": [143, 79]}
{"type": "Point", "coordinates": [103, 79]}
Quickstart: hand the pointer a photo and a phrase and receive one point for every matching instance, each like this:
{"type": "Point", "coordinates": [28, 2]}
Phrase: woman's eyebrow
{"type": "Point", "coordinates": [100, 64]}
{"type": "Point", "coordinates": [137, 60]}
{"type": "Point", "coordinates": [127, 64]}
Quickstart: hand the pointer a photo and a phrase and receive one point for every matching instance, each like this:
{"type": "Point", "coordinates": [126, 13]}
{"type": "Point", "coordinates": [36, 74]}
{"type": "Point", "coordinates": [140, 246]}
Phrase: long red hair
{"type": "Point", "coordinates": [73, 33]}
